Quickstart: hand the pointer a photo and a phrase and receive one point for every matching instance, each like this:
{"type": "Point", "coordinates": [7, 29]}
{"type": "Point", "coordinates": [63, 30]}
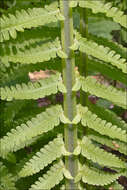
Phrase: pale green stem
{"type": "Point", "coordinates": [83, 57]}
{"type": "Point", "coordinates": [124, 4]}
{"type": "Point", "coordinates": [70, 132]}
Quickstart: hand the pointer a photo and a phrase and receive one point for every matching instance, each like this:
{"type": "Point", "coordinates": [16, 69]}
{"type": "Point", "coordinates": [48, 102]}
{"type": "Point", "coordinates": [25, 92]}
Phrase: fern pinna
{"type": "Point", "coordinates": [61, 147]}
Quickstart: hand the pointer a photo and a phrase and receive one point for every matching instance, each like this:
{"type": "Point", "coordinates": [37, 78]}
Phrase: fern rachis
{"type": "Point", "coordinates": [70, 146]}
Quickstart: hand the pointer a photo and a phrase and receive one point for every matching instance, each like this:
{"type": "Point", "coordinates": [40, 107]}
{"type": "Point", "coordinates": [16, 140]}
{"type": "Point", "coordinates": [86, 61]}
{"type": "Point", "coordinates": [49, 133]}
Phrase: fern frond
{"type": "Point", "coordinates": [106, 70]}
{"type": "Point", "coordinates": [53, 177]}
{"type": "Point", "coordinates": [118, 48]}
{"type": "Point", "coordinates": [40, 53]}
{"type": "Point", "coordinates": [104, 140]}
{"type": "Point", "coordinates": [110, 93]}
{"type": "Point", "coordinates": [32, 17]}
{"type": "Point", "coordinates": [45, 156]}
{"type": "Point", "coordinates": [99, 51]}
{"type": "Point", "coordinates": [115, 185]}
{"type": "Point", "coordinates": [30, 38]}
{"type": "Point", "coordinates": [106, 8]}
{"type": "Point", "coordinates": [109, 116]}
{"type": "Point", "coordinates": [96, 176]}
{"type": "Point", "coordinates": [96, 154]}
{"type": "Point", "coordinates": [22, 135]}
{"type": "Point", "coordinates": [18, 73]}
{"type": "Point", "coordinates": [62, 187]}
{"type": "Point", "coordinates": [33, 90]}
{"type": "Point", "coordinates": [7, 181]}
{"type": "Point", "coordinates": [101, 126]}
{"type": "Point", "coordinates": [10, 110]}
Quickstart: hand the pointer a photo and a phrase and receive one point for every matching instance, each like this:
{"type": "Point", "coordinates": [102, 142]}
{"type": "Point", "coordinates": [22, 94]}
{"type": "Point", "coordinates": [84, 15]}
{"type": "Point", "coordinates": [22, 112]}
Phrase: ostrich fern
{"type": "Point", "coordinates": [42, 36]}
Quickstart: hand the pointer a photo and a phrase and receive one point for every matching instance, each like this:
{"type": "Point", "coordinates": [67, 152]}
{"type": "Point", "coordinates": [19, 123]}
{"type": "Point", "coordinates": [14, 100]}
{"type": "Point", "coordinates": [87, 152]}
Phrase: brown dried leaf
{"type": "Point", "coordinates": [110, 188]}
{"type": "Point", "coordinates": [37, 75]}
{"type": "Point", "coordinates": [100, 78]}
{"type": "Point", "coordinates": [115, 145]}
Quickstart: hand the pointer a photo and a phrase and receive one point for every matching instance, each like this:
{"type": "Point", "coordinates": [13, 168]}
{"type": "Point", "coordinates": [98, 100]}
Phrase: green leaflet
{"type": "Point", "coordinates": [101, 26]}
{"type": "Point", "coordinates": [40, 53]}
{"type": "Point", "coordinates": [104, 140]}
{"type": "Point", "coordinates": [29, 39]}
{"type": "Point", "coordinates": [107, 70]}
{"type": "Point", "coordinates": [110, 93]}
{"type": "Point", "coordinates": [115, 185]}
{"type": "Point", "coordinates": [96, 154]}
{"type": "Point", "coordinates": [18, 73]}
{"type": "Point", "coordinates": [110, 11]}
{"type": "Point", "coordinates": [118, 48]}
{"type": "Point", "coordinates": [96, 176]}
{"type": "Point", "coordinates": [109, 116]}
{"type": "Point", "coordinates": [53, 177]}
{"type": "Point", "coordinates": [7, 181]}
{"type": "Point", "coordinates": [67, 174]}
{"type": "Point", "coordinates": [32, 90]}
{"type": "Point", "coordinates": [32, 17]}
{"type": "Point", "coordinates": [45, 156]}
{"type": "Point", "coordinates": [94, 87]}
{"type": "Point", "coordinates": [8, 113]}
{"type": "Point", "coordinates": [99, 51]}
{"type": "Point", "coordinates": [21, 136]}
{"type": "Point", "coordinates": [62, 187]}
{"type": "Point", "coordinates": [101, 126]}
{"type": "Point", "coordinates": [101, 7]}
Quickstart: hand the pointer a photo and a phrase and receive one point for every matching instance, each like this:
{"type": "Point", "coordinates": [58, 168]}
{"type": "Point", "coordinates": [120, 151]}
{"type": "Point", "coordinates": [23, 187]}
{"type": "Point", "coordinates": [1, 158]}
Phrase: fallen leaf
{"type": "Point", "coordinates": [110, 188]}
{"type": "Point", "coordinates": [37, 75]}
{"type": "Point", "coordinates": [115, 144]}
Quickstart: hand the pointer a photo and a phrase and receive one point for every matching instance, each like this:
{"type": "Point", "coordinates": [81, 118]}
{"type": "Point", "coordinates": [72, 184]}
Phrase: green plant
{"type": "Point", "coordinates": [67, 141]}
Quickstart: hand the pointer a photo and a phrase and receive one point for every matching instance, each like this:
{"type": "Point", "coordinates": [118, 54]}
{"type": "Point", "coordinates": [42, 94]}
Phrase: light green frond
{"type": "Point", "coordinates": [96, 154]}
{"type": "Point", "coordinates": [32, 17]}
{"type": "Point", "coordinates": [45, 156]}
{"type": "Point", "coordinates": [101, 126]}
{"type": "Point", "coordinates": [37, 54]}
{"type": "Point", "coordinates": [8, 113]}
{"type": "Point", "coordinates": [104, 140]}
{"type": "Point", "coordinates": [19, 72]}
{"type": "Point", "coordinates": [33, 90]}
{"type": "Point", "coordinates": [62, 187]}
{"type": "Point", "coordinates": [115, 186]}
{"type": "Point", "coordinates": [107, 70]}
{"type": "Point", "coordinates": [53, 177]}
{"type": "Point", "coordinates": [124, 173]}
{"type": "Point", "coordinates": [30, 38]}
{"type": "Point", "coordinates": [94, 176]}
{"type": "Point", "coordinates": [110, 93]}
{"type": "Point", "coordinates": [118, 48]}
{"type": "Point", "coordinates": [99, 51]}
{"type": "Point", "coordinates": [11, 109]}
{"type": "Point", "coordinates": [106, 8]}
{"type": "Point", "coordinates": [109, 116]}
{"type": "Point", "coordinates": [7, 181]}
{"type": "Point", "coordinates": [22, 135]}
